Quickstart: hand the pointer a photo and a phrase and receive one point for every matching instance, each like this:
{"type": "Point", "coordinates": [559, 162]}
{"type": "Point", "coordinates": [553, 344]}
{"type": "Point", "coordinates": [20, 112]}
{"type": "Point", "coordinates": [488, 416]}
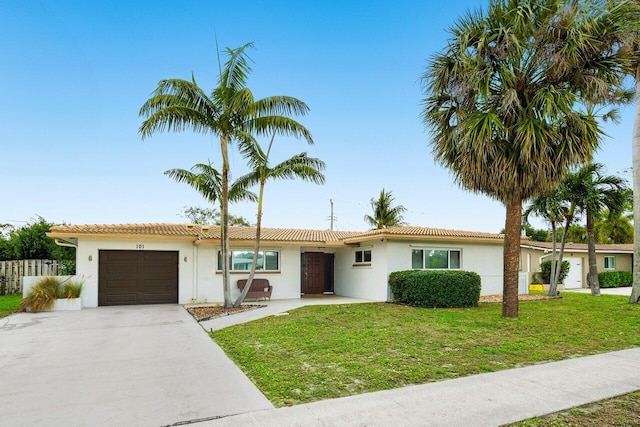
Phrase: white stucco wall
{"type": "Point", "coordinates": [367, 282]}
{"type": "Point", "coordinates": [286, 282]}
{"type": "Point", "coordinates": [484, 259]}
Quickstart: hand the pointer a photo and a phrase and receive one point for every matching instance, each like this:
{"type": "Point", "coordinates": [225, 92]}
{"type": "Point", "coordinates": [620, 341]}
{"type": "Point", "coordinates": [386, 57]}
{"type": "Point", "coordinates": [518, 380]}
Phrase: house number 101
{"type": "Point", "coordinates": [139, 246]}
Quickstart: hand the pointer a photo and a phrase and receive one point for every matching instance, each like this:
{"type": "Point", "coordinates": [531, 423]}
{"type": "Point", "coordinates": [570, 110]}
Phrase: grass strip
{"type": "Point", "coordinates": [9, 304]}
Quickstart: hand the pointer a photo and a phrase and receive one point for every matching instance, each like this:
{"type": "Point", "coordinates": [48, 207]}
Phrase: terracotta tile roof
{"type": "Point", "coordinates": [411, 231]}
{"type": "Point", "coordinates": [280, 234]}
{"type": "Point", "coordinates": [580, 246]}
{"type": "Point", "coordinates": [133, 229]}
{"type": "Point", "coordinates": [203, 232]}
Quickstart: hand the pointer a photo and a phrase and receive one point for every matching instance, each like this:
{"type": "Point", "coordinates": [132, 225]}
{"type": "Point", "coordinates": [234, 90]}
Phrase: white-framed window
{"type": "Point", "coordinates": [241, 260]}
{"type": "Point", "coordinates": [609, 263]}
{"type": "Point", "coordinates": [440, 259]}
{"type": "Point", "coordinates": [362, 256]}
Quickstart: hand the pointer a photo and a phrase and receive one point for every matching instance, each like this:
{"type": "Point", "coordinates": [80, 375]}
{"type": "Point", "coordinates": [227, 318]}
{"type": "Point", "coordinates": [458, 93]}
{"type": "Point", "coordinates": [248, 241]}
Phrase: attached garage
{"type": "Point", "coordinates": [127, 277]}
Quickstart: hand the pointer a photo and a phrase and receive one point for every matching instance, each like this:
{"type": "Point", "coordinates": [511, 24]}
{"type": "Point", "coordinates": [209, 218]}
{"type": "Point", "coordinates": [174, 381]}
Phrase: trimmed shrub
{"type": "Point", "coordinates": [545, 267]}
{"type": "Point", "coordinates": [615, 279]}
{"type": "Point", "coordinates": [435, 288]}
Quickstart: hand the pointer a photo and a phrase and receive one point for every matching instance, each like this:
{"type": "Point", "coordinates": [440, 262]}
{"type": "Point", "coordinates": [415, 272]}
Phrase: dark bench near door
{"type": "Point", "coordinates": [260, 288]}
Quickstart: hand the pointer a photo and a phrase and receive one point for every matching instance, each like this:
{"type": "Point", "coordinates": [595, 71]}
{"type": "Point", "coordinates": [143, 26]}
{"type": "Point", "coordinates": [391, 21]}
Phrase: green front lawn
{"type": "Point", "coordinates": [321, 352]}
{"type": "Point", "coordinates": [9, 304]}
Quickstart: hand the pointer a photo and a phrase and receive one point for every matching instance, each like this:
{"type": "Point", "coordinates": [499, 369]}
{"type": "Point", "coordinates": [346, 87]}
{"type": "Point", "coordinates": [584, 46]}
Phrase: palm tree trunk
{"type": "Point", "coordinates": [592, 277]}
{"type": "Point", "coordinates": [256, 249]}
{"type": "Point", "coordinates": [224, 219]}
{"type": "Point", "coordinates": [554, 244]}
{"type": "Point", "coordinates": [635, 290]}
{"type": "Point", "coordinates": [511, 263]}
{"type": "Point", "coordinates": [553, 287]}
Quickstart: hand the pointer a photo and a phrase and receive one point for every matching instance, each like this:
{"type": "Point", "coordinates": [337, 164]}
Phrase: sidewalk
{"type": "Point", "coordinates": [489, 399]}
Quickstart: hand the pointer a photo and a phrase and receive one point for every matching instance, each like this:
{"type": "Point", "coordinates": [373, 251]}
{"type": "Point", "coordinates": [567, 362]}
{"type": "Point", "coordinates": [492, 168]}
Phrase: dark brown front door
{"type": "Point", "coordinates": [137, 277]}
{"type": "Point", "coordinates": [312, 272]}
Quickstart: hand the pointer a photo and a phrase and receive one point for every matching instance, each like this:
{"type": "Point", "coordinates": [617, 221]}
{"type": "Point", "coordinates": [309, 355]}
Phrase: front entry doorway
{"type": "Point", "coordinates": [317, 273]}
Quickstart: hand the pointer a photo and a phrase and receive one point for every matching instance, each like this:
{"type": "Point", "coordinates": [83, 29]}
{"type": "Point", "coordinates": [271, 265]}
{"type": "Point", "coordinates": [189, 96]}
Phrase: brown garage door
{"type": "Point", "coordinates": [138, 277]}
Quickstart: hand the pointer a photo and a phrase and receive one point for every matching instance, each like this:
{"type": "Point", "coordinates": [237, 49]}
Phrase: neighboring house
{"type": "Point", "coordinates": [608, 258]}
{"type": "Point", "coordinates": [171, 263]}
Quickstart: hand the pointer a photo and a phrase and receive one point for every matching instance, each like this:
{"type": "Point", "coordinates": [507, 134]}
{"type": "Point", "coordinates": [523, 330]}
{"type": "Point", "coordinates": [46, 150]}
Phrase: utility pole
{"type": "Point", "coordinates": [331, 217]}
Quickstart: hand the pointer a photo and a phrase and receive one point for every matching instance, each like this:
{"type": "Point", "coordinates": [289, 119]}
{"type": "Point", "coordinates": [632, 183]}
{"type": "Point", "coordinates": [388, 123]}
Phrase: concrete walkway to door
{"type": "Point", "coordinates": [269, 308]}
{"type": "Point", "coordinates": [119, 366]}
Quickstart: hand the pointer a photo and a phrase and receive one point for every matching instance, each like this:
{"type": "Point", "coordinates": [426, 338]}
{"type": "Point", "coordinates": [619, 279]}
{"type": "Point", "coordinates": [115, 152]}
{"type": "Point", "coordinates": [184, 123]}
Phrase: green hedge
{"type": "Point", "coordinates": [615, 279]}
{"type": "Point", "coordinates": [545, 267]}
{"type": "Point", "coordinates": [436, 288]}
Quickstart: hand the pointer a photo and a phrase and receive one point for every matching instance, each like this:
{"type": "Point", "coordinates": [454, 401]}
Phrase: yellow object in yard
{"type": "Point", "coordinates": [536, 288]}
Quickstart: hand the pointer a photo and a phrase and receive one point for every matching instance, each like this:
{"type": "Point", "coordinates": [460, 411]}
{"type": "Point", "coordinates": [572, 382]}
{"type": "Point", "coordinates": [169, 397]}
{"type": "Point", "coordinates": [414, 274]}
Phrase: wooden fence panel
{"type": "Point", "coordinates": [11, 272]}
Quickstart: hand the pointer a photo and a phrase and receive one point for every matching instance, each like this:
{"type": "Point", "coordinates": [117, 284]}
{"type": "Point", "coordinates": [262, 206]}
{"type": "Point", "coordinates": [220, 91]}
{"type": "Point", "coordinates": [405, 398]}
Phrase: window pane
{"type": "Point", "coordinates": [358, 256]}
{"type": "Point", "coordinates": [241, 260]}
{"type": "Point", "coordinates": [609, 262]}
{"type": "Point", "coordinates": [454, 259]}
{"type": "Point", "coordinates": [437, 259]}
{"type": "Point", "coordinates": [219, 261]}
{"type": "Point", "coordinates": [416, 259]}
{"type": "Point", "coordinates": [271, 260]}
{"type": "Point", "coordinates": [367, 256]}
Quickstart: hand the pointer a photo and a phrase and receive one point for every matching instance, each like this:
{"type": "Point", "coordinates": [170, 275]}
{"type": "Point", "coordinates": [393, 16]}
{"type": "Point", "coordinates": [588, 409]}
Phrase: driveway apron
{"type": "Point", "coordinates": [141, 365]}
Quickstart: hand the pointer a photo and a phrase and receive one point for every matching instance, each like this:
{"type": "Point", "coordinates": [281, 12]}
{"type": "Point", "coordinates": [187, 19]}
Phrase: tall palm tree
{"type": "Point", "coordinates": [503, 101]}
{"type": "Point", "coordinates": [384, 213]}
{"type": "Point", "coordinates": [596, 192]}
{"type": "Point", "coordinates": [634, 298]}
{"type": "Point", "coordinates": [299, 166]}
{"type": "Point", "coordinates": [231, 114]}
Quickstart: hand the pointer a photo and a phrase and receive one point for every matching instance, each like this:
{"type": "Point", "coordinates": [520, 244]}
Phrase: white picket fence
{"type": "Point", "coordinates": [12, 272]}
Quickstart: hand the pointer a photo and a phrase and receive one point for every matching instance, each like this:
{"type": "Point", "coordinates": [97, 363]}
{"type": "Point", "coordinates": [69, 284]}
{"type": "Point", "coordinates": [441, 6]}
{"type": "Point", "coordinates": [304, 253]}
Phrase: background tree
{"type": "Point", "coordinates": [503, 101]}
{"type": "Point", "coordinates": [384, 213]}
{"type": "Point", "coordinates": [230, 113]}
{"type": "Point", "coordinates": [198, 215]}
{"type": "Point", "coordinates": [31, 242]}
{"type": "Point", "coordinates": [613, 228]}
{"type": "Point", "coordinates": [299, 166]}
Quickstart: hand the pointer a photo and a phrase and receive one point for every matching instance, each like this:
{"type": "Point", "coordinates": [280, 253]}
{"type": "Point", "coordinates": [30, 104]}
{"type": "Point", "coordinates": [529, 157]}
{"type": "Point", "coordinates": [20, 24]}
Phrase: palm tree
{"type": "Point", "coordinates": [384, 213]}
{"type": "Point", "coordinates": [207, 181]}
{"type": "Point", "coordinates": [503, 101]}
{"type": "Point", "coordinates": [299, 166]}
{"type": "Point", "coordinates": [550, 207]}
{"type": "Point", "coordinates": [230, 113]}
{"type": "Point", "coordinates": [613, 228]}
{"type": "Point", "coordinates": [634, 298]}
{"type": "Point", "coordinates": [596, 192]}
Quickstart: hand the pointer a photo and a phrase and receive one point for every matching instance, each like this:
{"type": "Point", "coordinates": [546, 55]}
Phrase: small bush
{"type": "Point", "coordinates": [42, 295]}
{"type": "Point", "coordinates": [615, 279]}
{"type": "Point", "coordinates": [436, 288]}
{"type": "Point", "coordinates": [545, 267]}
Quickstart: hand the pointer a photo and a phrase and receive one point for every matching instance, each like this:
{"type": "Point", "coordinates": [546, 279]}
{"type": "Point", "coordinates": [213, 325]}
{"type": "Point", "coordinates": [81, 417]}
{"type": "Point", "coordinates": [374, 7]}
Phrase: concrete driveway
{"type": "Point", "coordinates": [124, 366]}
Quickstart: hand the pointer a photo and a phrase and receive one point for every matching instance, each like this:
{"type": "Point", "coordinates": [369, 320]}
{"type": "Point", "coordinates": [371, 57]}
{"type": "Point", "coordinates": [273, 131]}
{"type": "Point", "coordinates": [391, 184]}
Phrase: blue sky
{"type": "Point", "coordinates": [74, 75]}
